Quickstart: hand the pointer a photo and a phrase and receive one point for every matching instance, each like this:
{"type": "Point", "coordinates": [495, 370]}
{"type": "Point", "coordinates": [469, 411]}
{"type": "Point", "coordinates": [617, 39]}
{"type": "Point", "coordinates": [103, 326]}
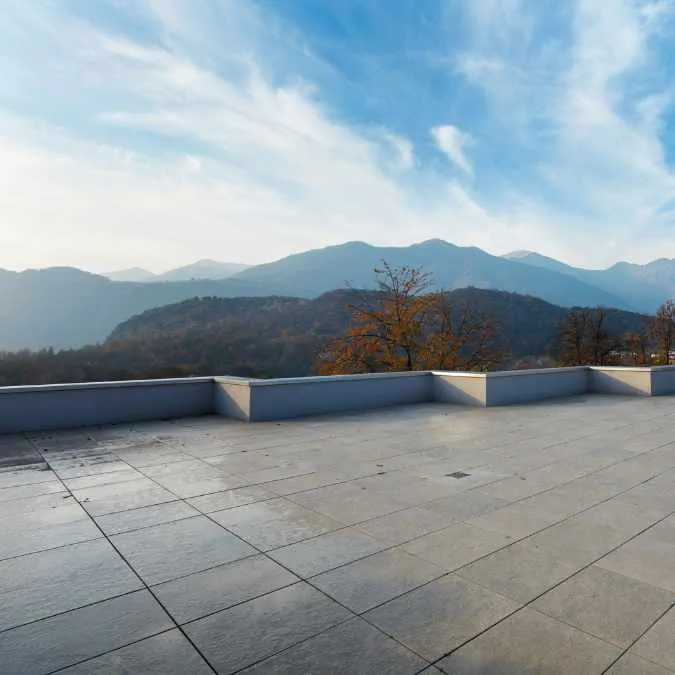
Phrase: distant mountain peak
{"type": "Point", "coordinates": [131, 274]}
{"type": "Point", "coordinates": [523, 253]}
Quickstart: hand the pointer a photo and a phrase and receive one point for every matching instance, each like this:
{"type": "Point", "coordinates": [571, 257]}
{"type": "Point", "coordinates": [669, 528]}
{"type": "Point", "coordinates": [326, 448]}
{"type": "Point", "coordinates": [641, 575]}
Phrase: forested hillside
{"type": "Point", "coordinates": [267, 337]}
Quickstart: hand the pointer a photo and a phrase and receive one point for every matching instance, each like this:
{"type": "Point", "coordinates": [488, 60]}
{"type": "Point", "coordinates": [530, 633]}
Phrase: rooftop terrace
{"type": "Point", "coordinates": [427, 538]}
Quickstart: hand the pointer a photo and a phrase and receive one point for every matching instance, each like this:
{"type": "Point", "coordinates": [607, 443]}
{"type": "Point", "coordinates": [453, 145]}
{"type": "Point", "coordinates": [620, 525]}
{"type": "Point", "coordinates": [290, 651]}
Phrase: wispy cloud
{"type": "Point", "coordinates": [454, 143]}
{"type": "Point", "coordinates": [162, 131]}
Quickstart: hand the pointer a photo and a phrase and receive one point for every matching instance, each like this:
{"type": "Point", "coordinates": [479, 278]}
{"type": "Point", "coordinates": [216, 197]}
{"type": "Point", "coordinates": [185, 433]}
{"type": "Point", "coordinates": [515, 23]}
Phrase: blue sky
{"type": "Point", "coordinates": [158, 132]}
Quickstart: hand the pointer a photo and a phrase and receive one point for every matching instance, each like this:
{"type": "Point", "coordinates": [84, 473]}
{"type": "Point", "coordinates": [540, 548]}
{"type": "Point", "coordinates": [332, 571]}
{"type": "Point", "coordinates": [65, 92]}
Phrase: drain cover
{"type": "Point", "coordinates": [458, 474]}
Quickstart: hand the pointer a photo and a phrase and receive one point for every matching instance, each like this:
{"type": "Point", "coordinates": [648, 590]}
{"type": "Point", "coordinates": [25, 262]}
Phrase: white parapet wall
{"type": "Point", "coordinates": [463, 388]}
{"type": "Point", "coordinates": [303, 396]}
{"type": "Point", "coordinates": [61, 406]}
{"type": "Point", "coordinates": [663, 380]}
{"type": "Point", "coordinates": [66, 406]}
{"type": "Point", "coordinates": [526, 386]}
{"type": "Point", "coordinates": [621, 381]}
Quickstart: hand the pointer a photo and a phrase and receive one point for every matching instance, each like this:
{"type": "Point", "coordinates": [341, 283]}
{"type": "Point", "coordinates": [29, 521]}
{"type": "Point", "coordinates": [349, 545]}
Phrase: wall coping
{"type": "Point", "coordinates": [111, 384]}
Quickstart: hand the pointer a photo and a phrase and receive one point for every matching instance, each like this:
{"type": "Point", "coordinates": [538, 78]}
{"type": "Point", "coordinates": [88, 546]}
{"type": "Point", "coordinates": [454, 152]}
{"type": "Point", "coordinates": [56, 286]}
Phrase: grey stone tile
{"type": "Point", "coordinates": [465, 505]}
{"type": "Point", "coordinates": [25, 476]}
{"type": "Point", "coordinates": [658, 643]}
{"type": "Point", "coordinates": [54, 511]}
{"type": "Point", "coordinates": [168, 653]}
{"type": "Point", "coordinates": [440, 616]}
{"type": "Point", "coordinates": [401, 526]}
{"type": "Point", "coordinates": [627, 513]}
{"type": "Point", "coordinates": [164, 552]}
{"type": "Point", "coordinates": [122, 475]}
{"type": "Point", "coordinates": [132, 494]}
{"type": "Point", "coordinates": [529, 643]}
{"type": "Point", "coordinates": [50, 582]}
{"type": "Point", "coordinates": [632, 665]}
{"type": "Point", "coordinates": [33, 505]}
{"type": "Point", "coordinates": [22, 539]}
{"type": "Point", "coordinates": [146, 516]}
{"type": "Point", "coordinates": [274, 523]}
{"type": "Point", "coordinates": [72, 637]}
{"type": "Point", "coordinates": [578, 540]}
{"type": "Point", "coordinates": [29, 491]}
{"type": "Point", "coordinates": [218, 588]}
{"type": "Point", "coordinates": [81, 467]}
{"type": "Point", "coordinates": [606, 604]}
{"type": "Point", "coordinates": [456, 546]}
{"type": "Point", "coordinates": [347, 503]}
{"type": "Point", "coordinates": [242, 635]}
{"type": "Point", "coordinates": [227, 499]}
{"type": "Point", "coordinates": [371, 581]}
{"type": "Point", "coordinates": [523, 518]}
{"type": "Point", "coordinates": [646, 558]}
{"type": "Point", "coordinates": [352, 648]}
{"type": "Point", "coordinates": [520, 571]}
{"type": "Point", "coordinates": [313, 556]}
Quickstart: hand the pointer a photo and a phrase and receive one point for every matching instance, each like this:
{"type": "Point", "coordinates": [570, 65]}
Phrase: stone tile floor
{"type": "Point", "coordinates": [345, 544]}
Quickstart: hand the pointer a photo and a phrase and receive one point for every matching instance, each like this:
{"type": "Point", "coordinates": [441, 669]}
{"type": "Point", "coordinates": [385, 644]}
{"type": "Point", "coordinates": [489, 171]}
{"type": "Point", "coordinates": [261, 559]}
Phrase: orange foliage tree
{"type": "Point", "coordinates": [662, 332]}
{"type": "Point", "coordinates": [407, 326]}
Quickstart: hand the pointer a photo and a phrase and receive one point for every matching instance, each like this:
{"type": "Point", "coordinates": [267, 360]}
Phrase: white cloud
{"type": "Point", "coordinates": [591, 106]}
{"type": "Point", "coordinates": [242, 158]}
{"type": "Point", "coordinates": [453, 143]}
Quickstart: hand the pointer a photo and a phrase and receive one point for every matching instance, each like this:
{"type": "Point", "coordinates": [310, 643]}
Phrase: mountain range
{"type": "Point", "coordinates": [66, 307]}
{"type": "Point", "coordinates": [202, 269]}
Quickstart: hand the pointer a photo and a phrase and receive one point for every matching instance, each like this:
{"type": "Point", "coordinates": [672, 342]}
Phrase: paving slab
{"type": "Point", "coordinates": [610, 606]}
{"type": "Point", "coordinates": [45, 646]}
{"type": "Point", "coordinates": [352, 648]}
{"type": "Point", "coordinates": [164, 552]}
{"type": "Point", "coordinates": [440, 616]}
{"type": "Point", "coordinates": [168, 653]}
{"type": "Point", "coordinates": [658, 643]}
{"type": "Point", "coordinates": [632, 665]}
{"type": "Point", "coordinates": [145, 516]}
{"type": "Point", "coordinates": [132, 494]}
{"type": "Point", "coordinates": [646, 558]}
{"type": "Point", "coordinates": [371, 581]}
{"type": "Point", "coordinates": [328, 551]}
{"type": "Point", "coordinates": [402, 526]}
{"type": "Point", "coordinates": [218, 588]}
{"type": "Point", "coordinates": [529, 643]}
{"type": "Point", "coordinates": [457, 545]}
{"type": "Point", "coordinates": [50, 582]}
{"type": "Point", "coordinates": [241, 636]}
{"type": "Point", "coordinates": [274, 523]}
{"type": "Point", "coordinates": [520, 571]}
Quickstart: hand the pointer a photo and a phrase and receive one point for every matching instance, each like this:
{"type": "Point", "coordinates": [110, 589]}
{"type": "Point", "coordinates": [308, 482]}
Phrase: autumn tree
{"type": "Point", "coordinates": [638, 346]}
{"type": "Point", "coordinates": [407, 326]}
{"type": "Point", "coordinates": [662, 331]}
{"type": "Point", "coordinates": [584, 339]}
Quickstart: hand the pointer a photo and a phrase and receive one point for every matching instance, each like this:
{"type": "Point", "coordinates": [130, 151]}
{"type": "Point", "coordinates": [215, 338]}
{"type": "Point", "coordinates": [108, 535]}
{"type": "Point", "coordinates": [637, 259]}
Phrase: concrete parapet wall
{"type": "Point", "coordinates": [663, 380]}
{"type": "Point", "coordinates": [464, 388]}
{"type": "Point", "coordinates": [35, 408]}
{"type": "Point", "coordinates": [64, 406]}
{"type": "Point", "coordinates": [620, 381]}
{"type": "Point", "coordinates": [526, 386]}
{"type": "Point", "coordinates": [304, 396]}
{"type": "Point", "coordinates": [232, 397]}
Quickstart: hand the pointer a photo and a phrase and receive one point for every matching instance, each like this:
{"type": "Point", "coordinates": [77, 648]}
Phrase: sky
{"type": "Point", "coordinates": [154, 133]}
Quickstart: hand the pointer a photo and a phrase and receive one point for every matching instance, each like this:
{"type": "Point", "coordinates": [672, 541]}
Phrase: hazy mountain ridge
{"type": "Point", "coordinates": [268, 337]}
{"type": "Point", "coordinates": [66, 307]}
{"type": "Point", "coordinates": [200, 270]}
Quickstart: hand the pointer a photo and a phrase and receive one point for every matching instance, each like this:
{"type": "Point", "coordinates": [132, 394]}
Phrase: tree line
{"type": "Point", "coordinates": [584, 339]}
{"type": "Point", "coordinates": [405, 324]}
{"type": "Point", "coordinates": [410, 327]}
